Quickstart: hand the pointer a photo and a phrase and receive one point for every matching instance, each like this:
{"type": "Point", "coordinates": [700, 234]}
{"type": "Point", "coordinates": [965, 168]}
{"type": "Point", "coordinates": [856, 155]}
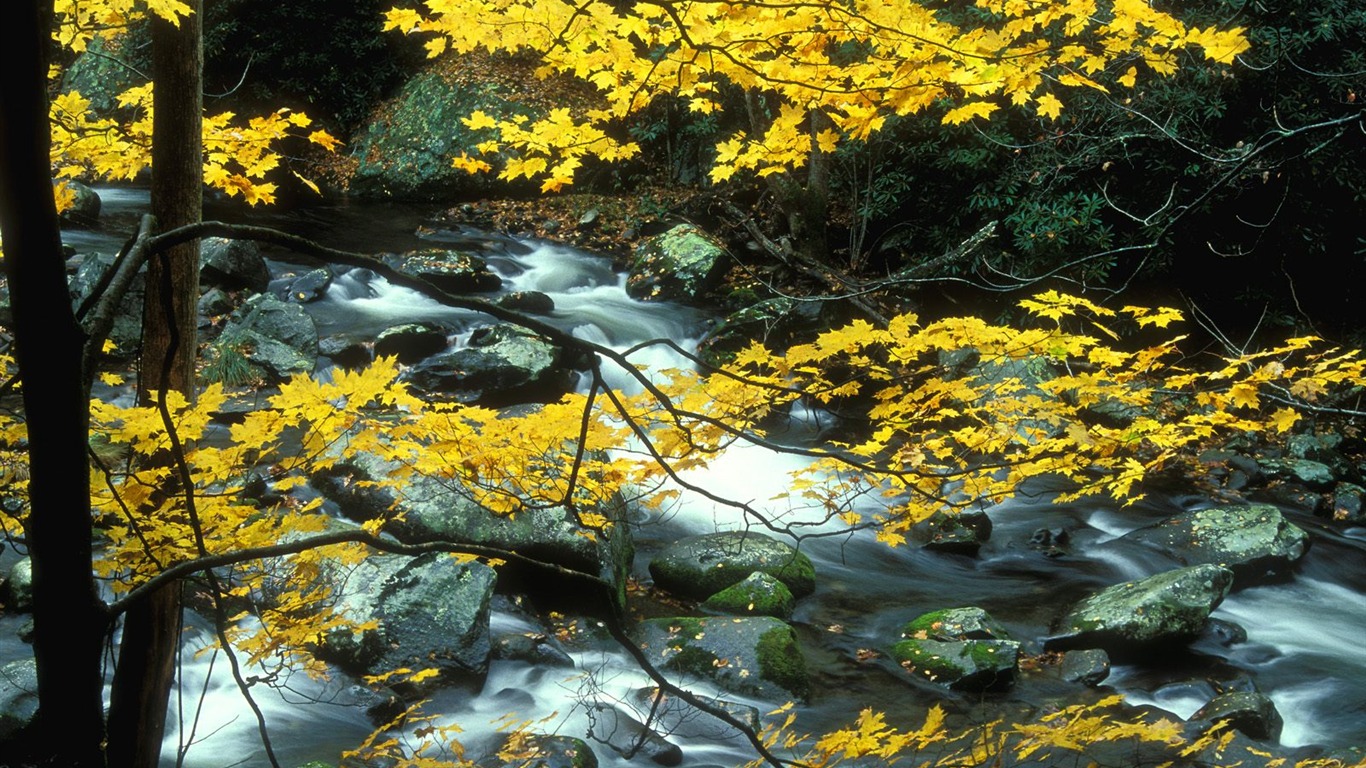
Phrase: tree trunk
{"type": "Point", "coordinates": [805, 202]}
{"type": "Point", "coordinates": [69, 621]}
{"type": "Point", "coordinates": [151, 633]}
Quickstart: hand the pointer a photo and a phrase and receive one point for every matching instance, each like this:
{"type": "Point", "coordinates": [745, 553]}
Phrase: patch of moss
{"type": "Point", "coordinates": [781, 661]}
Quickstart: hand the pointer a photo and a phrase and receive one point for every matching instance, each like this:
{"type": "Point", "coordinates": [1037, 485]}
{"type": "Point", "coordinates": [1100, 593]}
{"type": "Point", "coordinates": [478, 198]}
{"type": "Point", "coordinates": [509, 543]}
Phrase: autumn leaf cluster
{"type": "Point", "coordinates": [827, 72]}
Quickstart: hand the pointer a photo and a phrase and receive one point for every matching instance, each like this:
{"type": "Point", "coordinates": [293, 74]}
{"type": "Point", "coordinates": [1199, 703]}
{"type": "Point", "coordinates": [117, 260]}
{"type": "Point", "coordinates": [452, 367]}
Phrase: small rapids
{"type": "Point", "coordinates": [1304, 635]}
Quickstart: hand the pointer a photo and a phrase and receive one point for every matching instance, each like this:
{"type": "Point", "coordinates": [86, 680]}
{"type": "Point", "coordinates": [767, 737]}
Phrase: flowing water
{"type": "Point", "coordinates": [1304, 635]}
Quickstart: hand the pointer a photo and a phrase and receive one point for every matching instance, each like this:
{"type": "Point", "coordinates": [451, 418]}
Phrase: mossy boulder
{"type": "Point", "coordinates": [760, 594]}
{"type": "Point", "coordinates": [681, 264]}
{"type": "Point", "coordinates": [1255, 541]}
{"type": "Point", "coordinates": [278, 338]}
{"type": "Point", "coordinates": [700, 566]}
{"type": "Point", "coordinates": [961, 648]}
{"type": "Point", "coordinates": [753, 656]}
{"type": "Point", "coordinates": [1171, 607]}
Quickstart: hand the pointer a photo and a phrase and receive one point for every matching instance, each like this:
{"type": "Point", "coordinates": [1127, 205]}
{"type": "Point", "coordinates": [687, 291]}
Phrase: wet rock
{"type": "Point", "coordinates": [1310, 474]}
{"type": "Point", "coordinates": [437, 509]}
{"type": "Point", "coordinates": [306, 288]}
{"type": "Point", "coordinates": [700, 566]}
{"type": "Point", "coordinates": [680, 265]}
{"type": "Point", "coordinates": [777, 321]}
{"type": "Point", "coordinates": [1052, 542]}
{"type": "Point", "coordinates": [633, 740]}
{"type": "Point", "coordinates": [530, 302]}
{"type": "Point", "coordinates": [18, 696]}
{"type": "Point", "coordinates": [1255, 541]}
{"type": "Point", "coordinates": [1224, 633]}
{"type": "Point", "coordinates": [1089, 666]}
{"type": "Point", "coordinates": [962, 648]}
{"type": "Point", "coordinates": [753, 656]}
{"type": "Point", "coordinates": [961, 533]}
{"type": "Point", "coordinates": [432, 612]}
{"type": "Point", "coordinates": [215, 302]}
{"type": "Point", "coordinates": [17, 589]}
{"type": "Point", "coordinates": [503, 365]}
{"type": "Point", "coordinates": [1170, 607]}
{"type": "Point", "coordinates": [411, 342]}
{"type": "Point", "coordinates": [1253, 714]}
{"type": "Point", "coordinates": [345, 352]}
{"type": "Point", "coordinates": [538, 649]}
{"type": "Point", "coordinates": [540, 750]}
{"type": "Point", "coordinates": [126, 332]}
{"type": "Point", "coordinates": [233, 265]}
{"type": "Point", "coordinates": [455, 272]}
{"type": "Point", "coordinates": [679, 718]}
{"type": "Point", "coordinates": [278, 339]}
{"type": "Point", "coordinates": [109, 66]}
{"type": "Point", "coordinates": [1347, 502]}
{"type": "Point", "coordinates": [758, 595]}
{"type": "Point", "coordinates": [85, 205]}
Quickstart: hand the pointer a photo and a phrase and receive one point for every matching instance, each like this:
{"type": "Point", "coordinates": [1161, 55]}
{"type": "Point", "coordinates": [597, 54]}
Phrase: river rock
{"type": "Point", "coordinates": [962, 648]}
{"type": "Point", "coordinates": [1347, 502]}
{"type": "Point", "coordinates": [1251, 713]}
{"type": "Point", "coordinates": [17, 589]}
{"type": "Point", "coordinates": [679, 718]}
{"type": "Point", "coordinates": [85, 205]}
{"type": "Point", "coordinates": [455, 272]}
{"type": "Point", "coordinates": [1169, 607]}
{"type": "Point", "coordinates": [1311, 474]}
{"type": "Point", "coordinates": [543, 750]}
{"type": "Point", "coordinates": [530, 302]}
{"type": "Point", "coordinates": [278, 339]}
{"type": "Point", "coordinates": [411, 342]}
{"type": "Point", "coordinates": [700, 566]}
{"type": "Point", "coordinates": [760, 594]}
{"type": "Point", "coordinates": [1088, 666]}
{"type": "Point", "coordinates": [753, 656]}
{"type": "Point", "coordinates": [436, 509]}
{"type": "Point", "coordinates": [503, 365]}
{"type": "Point", "coordinates": [777, 321]}
{"type": "Point", "coordinates": [680, 265]}
{"type": "Point", "coordinates": [126, 332]}
{"type": "Point", "coordinates": [961, 533]}
{"type": "Point", "coordinates": [624, 734]}
{"type": "Point", "coordinates": [18, 696]}
{"type": "Point", "coordinates": [1255, 541]}
{"type": "Point", "coordinates": [306, 288]}
{"type": "Point", "coordinates": [432, 611]}
{"type": "Point", "coordinates": [233, 265]}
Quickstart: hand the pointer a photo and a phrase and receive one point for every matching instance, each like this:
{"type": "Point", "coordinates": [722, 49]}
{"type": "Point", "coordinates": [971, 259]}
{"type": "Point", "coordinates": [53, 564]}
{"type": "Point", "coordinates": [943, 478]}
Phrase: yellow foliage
{"type": "Point", "coordinates": [911, 59]}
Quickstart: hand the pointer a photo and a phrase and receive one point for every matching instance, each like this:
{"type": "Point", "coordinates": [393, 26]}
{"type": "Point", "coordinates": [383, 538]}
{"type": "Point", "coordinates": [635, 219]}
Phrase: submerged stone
{"type": "Point", "coordinates": [1166, 608]}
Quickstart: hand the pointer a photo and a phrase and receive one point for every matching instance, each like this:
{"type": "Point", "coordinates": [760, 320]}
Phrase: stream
{"type": "Point", "coordinates": [1304, 644]}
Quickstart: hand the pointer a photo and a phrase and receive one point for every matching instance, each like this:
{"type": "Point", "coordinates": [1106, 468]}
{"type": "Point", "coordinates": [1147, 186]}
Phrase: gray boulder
{"type": "Point", "coordinates": [503, 365]}
{"type": "Point", "coordinates": [680, 265]}
{"type": "Point", "coordinates": [961, 648]}
{"type": "Point", "coordinates": [17, 589]}
{"type": "Point", "coordinates": [451, 271]}
{"type": "Point", "coordinates": [126, 332]}
{"type": "Point", "coordinates": [753, 656]}
{"type": "Point", "coordinates": [1255, 541]}
{"type": "Point", "coordinates": [85, 205]}
{"type": "Point", "coordinates": [277, 338]}
{"type": "Point", "coordinates": [303, 289]}
{"type": "Point", "coordinates": [1170, 607]}
{"type": "Point", "coordinates": [410, 342]}
{"type": "Point", "coordinates": [432, 612]}
{"type": "Point", "coordinates": [1251, 713]}
{"type": "Point", "coordinates": [435, 509]}
{"type": "Point", "coordinates": [961, 533]}
{"type": "Point", "coordinates": [18, 696]}
{"type": "Point", "coordinates": [233, 265]}
{"type": "Point", "coordinates": [1088, 666]}
{"type": "Point", "coordinates": [700, 566]}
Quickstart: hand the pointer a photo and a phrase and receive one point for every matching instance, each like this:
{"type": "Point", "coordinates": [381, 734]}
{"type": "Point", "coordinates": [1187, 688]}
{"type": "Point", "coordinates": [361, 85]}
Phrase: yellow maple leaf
{"type": "Point", "coordinates": [1048, 106]}
{"type": "Point", "coordinates": [968, 111]}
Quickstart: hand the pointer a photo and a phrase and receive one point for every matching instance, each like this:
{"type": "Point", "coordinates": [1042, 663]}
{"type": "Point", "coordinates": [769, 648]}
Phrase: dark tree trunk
{"type": "Point", "coordinates": [151, 634]}
{"type": "Point", "coordinates": [69, 622]}
{"type": "Point", "coordinates": [804, 199]}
